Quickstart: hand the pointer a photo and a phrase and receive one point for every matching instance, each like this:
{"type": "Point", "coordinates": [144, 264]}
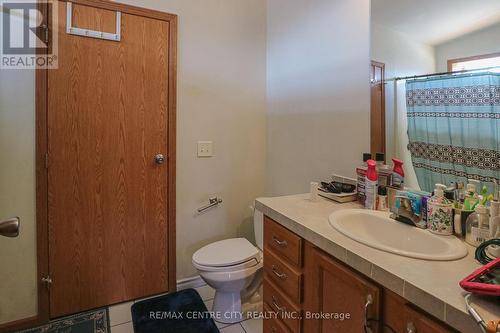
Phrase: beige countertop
{"type": "Point", "coordinates": [431, 285]}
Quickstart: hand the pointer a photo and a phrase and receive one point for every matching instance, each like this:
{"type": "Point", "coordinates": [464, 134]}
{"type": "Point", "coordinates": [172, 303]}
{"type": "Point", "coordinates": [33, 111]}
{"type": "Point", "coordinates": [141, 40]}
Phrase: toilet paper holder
{"type": "Point", "coordinates": [212, 202]}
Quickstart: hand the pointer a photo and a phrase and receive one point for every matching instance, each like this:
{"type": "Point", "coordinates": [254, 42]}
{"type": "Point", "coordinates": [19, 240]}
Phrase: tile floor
{"type": "Point", "coordinates": [121, 319]}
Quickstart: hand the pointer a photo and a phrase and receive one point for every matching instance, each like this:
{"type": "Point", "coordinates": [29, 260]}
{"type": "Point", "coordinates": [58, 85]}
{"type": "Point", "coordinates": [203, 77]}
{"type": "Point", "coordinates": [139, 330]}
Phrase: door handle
{"type": "Point", "coordinates": [10, 227]}
{"type": "Point", "coordinates": [159, 158]}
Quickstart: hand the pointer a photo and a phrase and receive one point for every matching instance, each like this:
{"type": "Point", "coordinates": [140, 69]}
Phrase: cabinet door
{"type": "Point", "coordinates": [336, 297]}
{"type": "Point", "coordinates": [417, 322]}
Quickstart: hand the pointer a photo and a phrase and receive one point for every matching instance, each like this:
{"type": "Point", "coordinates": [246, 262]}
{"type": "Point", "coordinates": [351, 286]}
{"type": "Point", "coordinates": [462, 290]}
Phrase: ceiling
{"type": "Point", "coordinates": [435, 21]}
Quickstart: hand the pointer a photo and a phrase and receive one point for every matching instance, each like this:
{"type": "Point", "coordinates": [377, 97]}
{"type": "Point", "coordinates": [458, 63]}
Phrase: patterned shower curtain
{"type": "Point", "coordinates": [454, 128]}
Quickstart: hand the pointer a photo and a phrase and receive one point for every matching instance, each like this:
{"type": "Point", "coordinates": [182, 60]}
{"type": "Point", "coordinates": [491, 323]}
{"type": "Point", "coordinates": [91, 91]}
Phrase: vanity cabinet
{"type": "Point", "coordinates": [342, 297]}
{"type": "Point", "coordinates": [401, 316]}
{"type": "Point", "coordinates": [307, 290]}
{"type": "Point", "coordinates": [283, 278]}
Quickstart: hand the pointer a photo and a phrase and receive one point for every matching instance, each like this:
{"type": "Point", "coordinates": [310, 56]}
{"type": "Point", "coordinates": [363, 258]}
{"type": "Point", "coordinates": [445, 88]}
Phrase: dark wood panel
{"type": "Point", "coordinates": [287, 311]}
{"type": "Point", "coordinates": [288, 279]}
{"type": "Point", "coordinates": [283, 242]}
{"type": "Point", "coordinates": [272, 324]}
{"type": "Point", "coordinates": [377, 114]}
{"type": "Point", "coordinates": [108, 117]}
{"type": "Point", "coordinates": [331, 288]}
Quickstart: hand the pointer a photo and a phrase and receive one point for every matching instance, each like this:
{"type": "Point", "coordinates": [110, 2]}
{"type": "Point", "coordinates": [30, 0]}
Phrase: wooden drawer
{"type": "Point", "coordinates": [287, 311]}
{"type": "Point", "coordinates": [283, 242]}
{"type": "Point", "coordinates": [286, 278]}
{"type": "Point", "coordinates": [272, 324]}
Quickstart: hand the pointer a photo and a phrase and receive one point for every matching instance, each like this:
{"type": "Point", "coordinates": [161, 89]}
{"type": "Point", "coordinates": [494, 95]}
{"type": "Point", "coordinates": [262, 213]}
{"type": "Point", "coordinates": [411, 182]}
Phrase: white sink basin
{"type": "Point", "coordinates": [376, 229]}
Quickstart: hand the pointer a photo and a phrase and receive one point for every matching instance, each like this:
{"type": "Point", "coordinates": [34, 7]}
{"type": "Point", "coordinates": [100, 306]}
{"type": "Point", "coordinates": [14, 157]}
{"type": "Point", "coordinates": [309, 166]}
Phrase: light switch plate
{"type": "Point", "coordinates": [205, 148]}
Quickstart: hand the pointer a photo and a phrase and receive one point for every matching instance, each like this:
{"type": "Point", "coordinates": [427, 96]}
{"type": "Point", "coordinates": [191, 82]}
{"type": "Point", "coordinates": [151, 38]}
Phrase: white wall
{"type": "Point", "coordinates": [221, 97]}
{"type": "Point", "coordinates": [402, 57]}
{"type": "Point", "coordinates": [18, 261]}
{"type": "Point", "coordinates": [484, 41]}
{"type": "Point", "coordinates": [318, 90]}
{"type": "Point", "coordinates": [18, 281]}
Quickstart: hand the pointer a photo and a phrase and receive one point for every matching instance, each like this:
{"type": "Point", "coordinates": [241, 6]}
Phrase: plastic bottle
{"type": "Point", "coordinates": [371, 181]}
{"type": "Point", "coordinates": [478, 226]}
{"type": "Point", "coordinates": [471, 197]}
{"type": "Point", "coordinates": [361, 174]}
{"type": "Point", "coordinates": [398, 173]}
{"type": "Point", "coordinates": [440, 212]}
{"type": "Point", "coordinates": [382, 198]}
{"type": "Point", "coordinates": [384, 171]}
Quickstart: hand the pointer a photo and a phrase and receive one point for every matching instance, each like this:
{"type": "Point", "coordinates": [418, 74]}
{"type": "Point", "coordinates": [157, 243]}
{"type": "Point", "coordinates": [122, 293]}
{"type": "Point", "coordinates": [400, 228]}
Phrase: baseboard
{"type": "Point", "coordinates": [190, 282]}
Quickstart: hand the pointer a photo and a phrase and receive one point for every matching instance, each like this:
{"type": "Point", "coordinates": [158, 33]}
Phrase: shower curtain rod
{"type": "Point", "coordinates": [442, 73]}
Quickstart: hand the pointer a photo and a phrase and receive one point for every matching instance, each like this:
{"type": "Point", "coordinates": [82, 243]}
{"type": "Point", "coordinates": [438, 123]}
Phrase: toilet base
{"type": "Point", "coordinates": [227, 307]}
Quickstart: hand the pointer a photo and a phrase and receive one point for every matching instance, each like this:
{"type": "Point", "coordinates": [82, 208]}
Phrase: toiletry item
{"type": "Point", "coordinates": [495, 219]}
{"type": "Point", "coordinates": [398, 174]}
{"type": "Point", "coordinates": [384, 171]}
{"type": "Point", "coordinates": [471, 197]}
{"type": "Point", "coordinates": [361, 174]}
{"type": "Point", "coordinates": [416, 206]}
{"type": "Point", "coordinates": [449, 192]}
{"type": "Point", "coordinates": [371, 179]}
{"type": "Point", "coordinates": [425, 200]}
{"type": "Point", "coordinates": [380, 159]}
{"type": "Point", "coordinates": [314, 191]}
{"type": "Point", "coordinates": [457, 222]}
{"type": "Point", "coordinates": [477, 226]}
{"type": "Point", "coordinates": [382, 199]}
{"type": "Point", "coordinates": [391, 197]}
{"type": "Point", "coordinates": [460, 192]}
{"type": "Point", "coordinates": [440, 212]}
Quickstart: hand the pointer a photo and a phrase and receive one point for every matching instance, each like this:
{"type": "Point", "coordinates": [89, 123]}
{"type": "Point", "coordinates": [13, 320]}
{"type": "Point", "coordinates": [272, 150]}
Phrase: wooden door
{"type": "Point", "coordinates": [400, 316]}
{"type": "Point", "coordinates": [377, 114]}
{"type": "Point", "coordinates": [109, 112]}
{"type": "Point", "coordinates": [419, 322]}
{"type": "Point", "coordinates": [331, 288]}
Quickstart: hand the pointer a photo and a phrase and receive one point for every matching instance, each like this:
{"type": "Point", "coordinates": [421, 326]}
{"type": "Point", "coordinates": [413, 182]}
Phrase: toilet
{"type": "Point", "coordinates": [233, 267]}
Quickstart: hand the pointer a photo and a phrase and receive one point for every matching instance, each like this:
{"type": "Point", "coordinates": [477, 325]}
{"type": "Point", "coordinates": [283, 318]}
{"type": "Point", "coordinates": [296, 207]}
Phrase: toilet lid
{"type": "Point", "coordinates": [228, 252]}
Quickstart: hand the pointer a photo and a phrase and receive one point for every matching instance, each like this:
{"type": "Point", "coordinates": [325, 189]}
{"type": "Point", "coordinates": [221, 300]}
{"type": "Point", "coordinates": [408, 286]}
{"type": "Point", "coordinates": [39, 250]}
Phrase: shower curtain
{"type": "Point", "coordinates": [454, 128]}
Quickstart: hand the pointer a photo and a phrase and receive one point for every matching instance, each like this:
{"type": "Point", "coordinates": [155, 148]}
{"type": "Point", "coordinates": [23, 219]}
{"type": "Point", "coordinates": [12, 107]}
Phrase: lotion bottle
{"type": "Point", "coordinates": [440, 213]}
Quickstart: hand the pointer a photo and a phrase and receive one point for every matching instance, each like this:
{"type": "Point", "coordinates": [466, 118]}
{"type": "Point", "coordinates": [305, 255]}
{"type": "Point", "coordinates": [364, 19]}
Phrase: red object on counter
{"type": "Point", "coordinates": [371, 173]}
{"type": "Point", "coordinates": [471, 284]}
{"type": "Point", "coordinates": [398, 167]}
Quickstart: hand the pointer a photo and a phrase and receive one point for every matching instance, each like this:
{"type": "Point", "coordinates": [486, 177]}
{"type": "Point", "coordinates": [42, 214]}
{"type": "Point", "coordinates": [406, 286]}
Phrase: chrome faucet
{"type": "Point", "coordinates": [402, 211]}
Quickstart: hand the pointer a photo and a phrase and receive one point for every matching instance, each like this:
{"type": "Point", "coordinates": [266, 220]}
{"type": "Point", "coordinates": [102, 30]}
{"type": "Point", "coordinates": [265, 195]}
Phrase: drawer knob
{"type": "Point", "coordinates": [277, 307]}
{"type": "Point", "coordinates": [280, 275]}
{"type": "Point", "coordinates": [281, 243]}
{"type": "Point", "coordinates": [410, 328]}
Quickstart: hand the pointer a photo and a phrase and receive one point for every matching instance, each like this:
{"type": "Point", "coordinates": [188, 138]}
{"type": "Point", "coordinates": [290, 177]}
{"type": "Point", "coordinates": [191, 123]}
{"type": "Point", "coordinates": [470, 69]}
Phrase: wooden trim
{"type": "Point", "coordinates": [42, 191]}
{"type": "Point", "coordinates": [20, 324]}
{"type": "Point", "coordinates": [382, 83]}
{"type": "Point", "coordinates": [172, 154]}
{"type": "Point", "coordinates": [128, 9]}
{"type": "Point", "coordinates": [478, 57]}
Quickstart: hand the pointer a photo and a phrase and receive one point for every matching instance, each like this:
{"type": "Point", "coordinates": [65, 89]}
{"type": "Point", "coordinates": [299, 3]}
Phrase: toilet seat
{"type": "Point", "coordinates": [227, 255]}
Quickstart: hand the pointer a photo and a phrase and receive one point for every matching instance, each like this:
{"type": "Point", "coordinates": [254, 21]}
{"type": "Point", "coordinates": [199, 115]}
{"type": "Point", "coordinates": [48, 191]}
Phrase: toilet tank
{"type": "Point", "coordinates": [258, 228]}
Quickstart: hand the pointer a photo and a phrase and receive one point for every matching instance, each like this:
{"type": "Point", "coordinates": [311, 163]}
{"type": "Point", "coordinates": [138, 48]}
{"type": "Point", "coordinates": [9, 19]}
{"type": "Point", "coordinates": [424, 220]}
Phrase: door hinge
{"type": "Point", "coordinates": [45, 28]}
{"type": "Point", "coordinates": [46, 160]}
{"type": "Point", "coordinates": [47, 280]}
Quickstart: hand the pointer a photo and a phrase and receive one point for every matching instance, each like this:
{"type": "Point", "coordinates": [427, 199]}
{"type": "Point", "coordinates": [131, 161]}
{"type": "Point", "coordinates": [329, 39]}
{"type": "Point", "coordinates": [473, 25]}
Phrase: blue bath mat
{"type": "Point", "coordinates": [180, 312]}
{"type": "Point", "coordinates": [96, 321]}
